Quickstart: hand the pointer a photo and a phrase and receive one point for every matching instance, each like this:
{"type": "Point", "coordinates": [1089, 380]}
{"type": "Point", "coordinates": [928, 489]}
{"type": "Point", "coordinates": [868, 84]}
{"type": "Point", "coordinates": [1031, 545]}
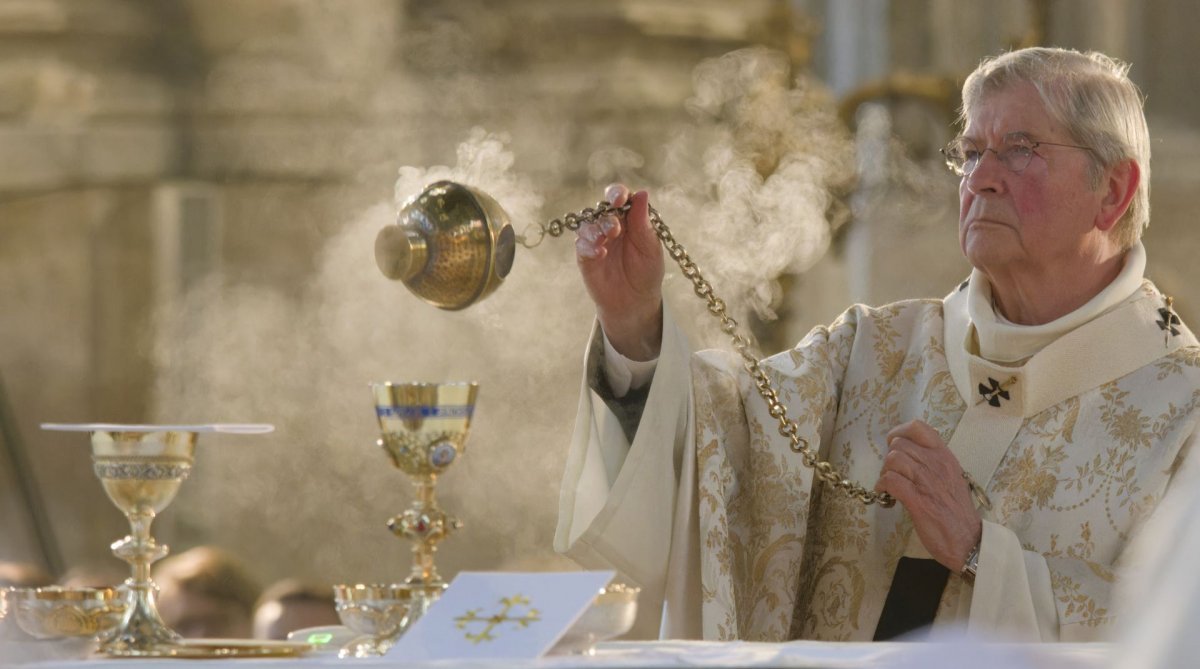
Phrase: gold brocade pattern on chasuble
{"type": "Point", "coordinates": [782, 559]}
{"type": "Point", "coordinates": [1078, 504]}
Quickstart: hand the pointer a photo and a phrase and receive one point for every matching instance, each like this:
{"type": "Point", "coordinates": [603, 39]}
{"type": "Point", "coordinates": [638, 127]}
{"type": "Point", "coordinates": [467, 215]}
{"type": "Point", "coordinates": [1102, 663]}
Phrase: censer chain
{"type": "Point", "coordinates": [788, 427]}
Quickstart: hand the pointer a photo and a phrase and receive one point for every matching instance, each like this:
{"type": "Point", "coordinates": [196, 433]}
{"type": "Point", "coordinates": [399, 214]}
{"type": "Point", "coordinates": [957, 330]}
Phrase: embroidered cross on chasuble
{"type": "Point", "coordinates": [713, 513]}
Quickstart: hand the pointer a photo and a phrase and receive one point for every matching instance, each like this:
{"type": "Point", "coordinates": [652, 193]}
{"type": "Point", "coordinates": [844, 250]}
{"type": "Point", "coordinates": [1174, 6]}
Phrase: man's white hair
{"type": "Point", "coordinates": [1092, 96]}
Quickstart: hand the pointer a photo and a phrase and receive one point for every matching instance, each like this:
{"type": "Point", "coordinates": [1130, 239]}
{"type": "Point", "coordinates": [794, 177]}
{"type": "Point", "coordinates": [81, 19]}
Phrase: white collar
{"type": "Point", "coordinates": [1005, 342]}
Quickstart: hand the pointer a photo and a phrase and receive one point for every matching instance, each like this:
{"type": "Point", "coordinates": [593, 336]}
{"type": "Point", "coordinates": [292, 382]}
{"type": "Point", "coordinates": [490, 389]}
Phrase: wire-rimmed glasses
{"type": "Point", "coordinates": [1016, 150]}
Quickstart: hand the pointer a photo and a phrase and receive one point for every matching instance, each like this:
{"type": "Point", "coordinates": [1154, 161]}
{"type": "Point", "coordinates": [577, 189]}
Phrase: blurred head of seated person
{"type": "Point", "coordinates": [18, 575]}
{"type": "Point", "coordinates": [289, 605]}
{"type": "Point", "coordinates": [1025, 425]}
{"type": "Point", "coordinates": [94, 576]}
{"type": "Point", "coordinates": [24, 575]}
{"type": "Point", "coordinates": [206, 593]}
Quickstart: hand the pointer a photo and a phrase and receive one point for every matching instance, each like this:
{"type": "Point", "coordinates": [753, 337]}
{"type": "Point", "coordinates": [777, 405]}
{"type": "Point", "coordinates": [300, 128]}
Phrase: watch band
{"type": "Point", "coordinates": [970, 566]}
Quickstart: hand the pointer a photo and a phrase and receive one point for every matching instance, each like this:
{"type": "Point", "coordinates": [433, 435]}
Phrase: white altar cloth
{"type": "Point", "coordinates": [655, 654]}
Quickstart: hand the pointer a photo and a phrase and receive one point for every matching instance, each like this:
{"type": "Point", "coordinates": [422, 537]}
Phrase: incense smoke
{"type": "Point", "coordinates": [746, 185]}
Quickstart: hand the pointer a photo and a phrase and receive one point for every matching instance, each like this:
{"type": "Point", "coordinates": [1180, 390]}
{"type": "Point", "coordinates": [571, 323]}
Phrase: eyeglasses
{"type": "Point", "coordinates": [1015, 151]}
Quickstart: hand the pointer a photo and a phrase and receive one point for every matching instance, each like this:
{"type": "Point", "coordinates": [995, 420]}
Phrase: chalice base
{"type": "Point", "coordinates": [141, 634]}
{"type": "Point", "coordinates": [366, 646]}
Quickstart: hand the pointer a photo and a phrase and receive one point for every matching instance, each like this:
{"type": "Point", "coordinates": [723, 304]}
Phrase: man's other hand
{"type": "Point", "coordinates": [922, 474]}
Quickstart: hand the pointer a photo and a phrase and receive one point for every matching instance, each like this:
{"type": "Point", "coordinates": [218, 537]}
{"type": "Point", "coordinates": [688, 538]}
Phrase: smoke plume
{"type": "Point", "coordinates": [747, 187]}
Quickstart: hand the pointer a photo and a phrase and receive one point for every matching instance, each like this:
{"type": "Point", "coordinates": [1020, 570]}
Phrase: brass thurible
{"type": "Point", "coordinates": [452, 245]}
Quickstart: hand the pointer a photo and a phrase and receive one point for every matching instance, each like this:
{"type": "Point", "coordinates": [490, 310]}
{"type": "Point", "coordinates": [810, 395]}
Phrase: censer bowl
{"type": "Point", "coordinates": [452, 245]}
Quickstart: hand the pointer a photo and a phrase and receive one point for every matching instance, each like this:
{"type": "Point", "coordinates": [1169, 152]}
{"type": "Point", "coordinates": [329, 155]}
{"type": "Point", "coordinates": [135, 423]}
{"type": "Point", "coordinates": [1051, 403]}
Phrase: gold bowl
{"type": "Point", "coordinates": [611, 614]}
{"type": "Point", "coordinates": [56, 612]}
{"type": "Point", "coordinates": [378, 612]}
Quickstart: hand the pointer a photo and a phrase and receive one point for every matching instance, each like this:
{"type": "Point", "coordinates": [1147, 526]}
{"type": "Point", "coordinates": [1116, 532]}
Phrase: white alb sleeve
{"type": "Point", "coordinates": [624, 374]}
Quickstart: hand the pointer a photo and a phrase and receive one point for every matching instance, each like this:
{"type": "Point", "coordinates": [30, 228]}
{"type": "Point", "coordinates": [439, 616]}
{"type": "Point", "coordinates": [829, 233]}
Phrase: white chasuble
{"type": "Point", "coordinates": [710, 511]}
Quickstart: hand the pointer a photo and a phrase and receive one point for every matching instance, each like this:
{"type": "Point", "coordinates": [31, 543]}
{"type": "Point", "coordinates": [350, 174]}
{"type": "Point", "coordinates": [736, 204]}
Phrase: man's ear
{"type": "Point", "coordinates": [1120, 185]}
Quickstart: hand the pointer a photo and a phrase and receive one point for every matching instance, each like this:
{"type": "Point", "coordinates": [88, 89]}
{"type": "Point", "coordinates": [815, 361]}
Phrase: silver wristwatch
{"type": "Point", "coordinates": [970, 566]}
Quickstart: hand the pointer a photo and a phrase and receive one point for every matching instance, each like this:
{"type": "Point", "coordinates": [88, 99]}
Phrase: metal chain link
{"type": "Point", "coordinates": [788, 427]}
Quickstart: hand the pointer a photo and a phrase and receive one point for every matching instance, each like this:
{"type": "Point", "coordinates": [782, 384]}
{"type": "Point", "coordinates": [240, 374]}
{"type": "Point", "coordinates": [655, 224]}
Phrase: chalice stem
{"type": "Point", "coordinates": [424, 571]}
{"type": "Point", "coordinates": [142, 547]}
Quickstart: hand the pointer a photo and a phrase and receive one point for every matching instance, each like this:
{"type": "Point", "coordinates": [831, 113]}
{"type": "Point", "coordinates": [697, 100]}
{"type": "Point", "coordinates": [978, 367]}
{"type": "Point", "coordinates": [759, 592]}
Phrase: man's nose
{"type": "Point", "coordinates": [989, 173]}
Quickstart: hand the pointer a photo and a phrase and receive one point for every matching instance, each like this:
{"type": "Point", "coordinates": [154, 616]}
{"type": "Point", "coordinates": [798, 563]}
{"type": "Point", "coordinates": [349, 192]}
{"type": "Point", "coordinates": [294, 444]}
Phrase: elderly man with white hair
{"type": "Point", "coordinates": [1025, 425]}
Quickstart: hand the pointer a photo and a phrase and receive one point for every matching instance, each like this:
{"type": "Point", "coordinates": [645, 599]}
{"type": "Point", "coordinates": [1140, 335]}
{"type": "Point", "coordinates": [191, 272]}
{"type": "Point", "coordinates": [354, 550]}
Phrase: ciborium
{"type": "Point", "coordinates": [55, 612]}
{"type": "Point", "coordinates": [424, 428]}
{"type": "Point", "coordinates": [379, 613]}
{"type": "Point", "coordinates": [141, 468]}
{"type": "Point", "coordinates": [610, 615]}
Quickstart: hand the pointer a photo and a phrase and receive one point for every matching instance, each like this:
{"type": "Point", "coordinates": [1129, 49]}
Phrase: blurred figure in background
{"type": "Point", "coordinates": [24, 575]}
{"type": "Point", "coordinates": [18, 575]}
{"type": "Point", "coordinates": [289, 605]}
{"type": "Point", "coordinates": [111, 574]}
{"type": "Point", "coordinates": [206, 593]}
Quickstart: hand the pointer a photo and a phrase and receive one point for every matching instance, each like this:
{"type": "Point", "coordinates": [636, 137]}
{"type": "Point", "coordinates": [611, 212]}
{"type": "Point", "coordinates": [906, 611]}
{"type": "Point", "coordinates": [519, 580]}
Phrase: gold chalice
{"type": "Point", "coordinates": [141, 468]}
{"type": "Point", "coordinates": [424, 429]}
{"type": "Point", "coordinates": [141, 472]}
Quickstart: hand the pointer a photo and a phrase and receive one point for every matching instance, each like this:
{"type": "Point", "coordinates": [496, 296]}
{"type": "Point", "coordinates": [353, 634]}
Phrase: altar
{"type": "Point", "coordinates": [809, 654]}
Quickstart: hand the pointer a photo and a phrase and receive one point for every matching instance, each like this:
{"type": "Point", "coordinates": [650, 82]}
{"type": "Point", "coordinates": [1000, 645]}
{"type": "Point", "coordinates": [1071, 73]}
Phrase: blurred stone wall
{"type": "Point", "coordinates": [89, 105]}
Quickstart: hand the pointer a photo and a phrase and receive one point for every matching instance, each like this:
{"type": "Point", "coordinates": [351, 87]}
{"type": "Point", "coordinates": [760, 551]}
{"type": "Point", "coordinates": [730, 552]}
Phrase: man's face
{"type": "Point", "coordinates": [1034, 221]}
